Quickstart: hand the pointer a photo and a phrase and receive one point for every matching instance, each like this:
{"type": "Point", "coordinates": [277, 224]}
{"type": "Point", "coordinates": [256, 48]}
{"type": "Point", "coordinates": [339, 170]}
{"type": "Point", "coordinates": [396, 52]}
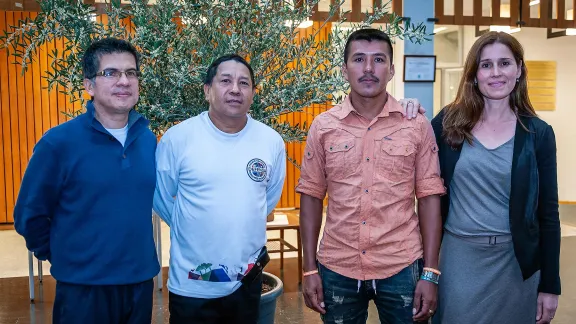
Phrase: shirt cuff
{"type": "Point", "coordinates": [429, 187]}
{"type": "Point", "coordinates": [305, 187]}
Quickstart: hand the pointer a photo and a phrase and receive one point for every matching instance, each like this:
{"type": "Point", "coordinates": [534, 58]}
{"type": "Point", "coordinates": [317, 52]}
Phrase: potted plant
{"type": "Point", "coordinates": [178, 40]}
{"type": "Point", "coordinates": [272, 288]}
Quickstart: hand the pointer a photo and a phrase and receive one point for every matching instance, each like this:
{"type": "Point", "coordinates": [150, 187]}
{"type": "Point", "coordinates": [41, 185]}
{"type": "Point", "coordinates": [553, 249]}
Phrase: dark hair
{"type": "Point", "coordinates": [462, 115]}
{"type": "Point", "coordinates": [368, 34]}
{"type": "Point", "coordinates": [213, 68]}
{"type": "Point", "coordinates": [91, 58]}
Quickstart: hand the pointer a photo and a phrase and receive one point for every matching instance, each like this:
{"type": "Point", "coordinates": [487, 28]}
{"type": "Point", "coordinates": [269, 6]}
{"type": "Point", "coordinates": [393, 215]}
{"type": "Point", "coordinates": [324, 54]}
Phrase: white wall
{"type": "Point", "coordinates": [396, 86]}
{"type": "Point", "coordinates": [446, 46]}
{"type": "Point", "coordinates": [563, 120]}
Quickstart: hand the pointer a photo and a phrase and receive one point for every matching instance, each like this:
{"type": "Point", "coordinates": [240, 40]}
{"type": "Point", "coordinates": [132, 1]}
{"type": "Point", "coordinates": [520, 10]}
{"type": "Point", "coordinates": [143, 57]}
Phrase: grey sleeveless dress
{"type": "Point", "coordinates": [481, 281]}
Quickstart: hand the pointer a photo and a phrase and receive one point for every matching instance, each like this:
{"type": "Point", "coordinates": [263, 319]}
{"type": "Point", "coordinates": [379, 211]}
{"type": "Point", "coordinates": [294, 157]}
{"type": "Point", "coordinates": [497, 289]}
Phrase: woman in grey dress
{"type": "Point", "coordinates": [500, 251]}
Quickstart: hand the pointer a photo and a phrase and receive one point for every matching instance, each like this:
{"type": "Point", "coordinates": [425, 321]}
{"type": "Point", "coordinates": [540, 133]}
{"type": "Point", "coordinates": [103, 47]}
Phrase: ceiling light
{"type": "Point", "coordinates": [439, 29]}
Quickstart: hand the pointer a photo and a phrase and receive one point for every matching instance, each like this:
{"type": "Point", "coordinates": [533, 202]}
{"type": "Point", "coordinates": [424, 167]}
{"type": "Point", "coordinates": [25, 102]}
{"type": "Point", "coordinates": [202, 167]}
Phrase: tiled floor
{"type": "Point", "coordinates": [15, 306]}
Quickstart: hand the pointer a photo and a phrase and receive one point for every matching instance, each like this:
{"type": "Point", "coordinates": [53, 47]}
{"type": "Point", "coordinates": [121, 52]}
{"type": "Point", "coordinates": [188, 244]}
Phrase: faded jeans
{"type": "Point", "coordinates": [346, 300]}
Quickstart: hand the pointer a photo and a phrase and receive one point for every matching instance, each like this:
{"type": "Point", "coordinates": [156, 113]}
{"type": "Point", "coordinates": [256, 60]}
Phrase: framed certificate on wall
{"type": "Point", "coordinates": [419, 68]}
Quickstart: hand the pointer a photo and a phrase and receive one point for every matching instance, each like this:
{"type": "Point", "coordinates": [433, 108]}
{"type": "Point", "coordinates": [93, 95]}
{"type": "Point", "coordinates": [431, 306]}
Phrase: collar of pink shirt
{"type": "Point", "coordinates": [345, 108]}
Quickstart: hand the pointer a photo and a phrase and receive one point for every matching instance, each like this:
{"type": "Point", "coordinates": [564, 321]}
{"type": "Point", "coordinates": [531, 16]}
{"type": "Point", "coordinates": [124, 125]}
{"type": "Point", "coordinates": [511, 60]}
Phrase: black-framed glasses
{"type": "Point", "coordinates": [114, 74]}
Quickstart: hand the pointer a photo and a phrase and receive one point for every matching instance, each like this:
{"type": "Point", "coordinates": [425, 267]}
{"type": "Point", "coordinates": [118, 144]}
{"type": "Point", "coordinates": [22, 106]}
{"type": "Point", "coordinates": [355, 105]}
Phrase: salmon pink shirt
{"type": "Point", "coordinates": [372, 171]}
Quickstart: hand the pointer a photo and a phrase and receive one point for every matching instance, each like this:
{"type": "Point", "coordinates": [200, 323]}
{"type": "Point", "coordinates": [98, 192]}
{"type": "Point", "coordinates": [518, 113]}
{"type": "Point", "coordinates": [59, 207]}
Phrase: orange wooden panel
{"type": "Point", "coordinates": [14, 127]}
{"type": "Point", "coordinates": [5, 147]}
{"type": "Point", "coordinates": [62, 102]}
{"type": "Point", "coordinates": [292, 179]}
{"type": "Point", "coordinates": [296, 150]}
{"type": "Point", "coordinates": [45, 102]}
{"type": "Point", "coordinates": [53, 95]}
{"type": "Point", "coordinates": [21, 110]}
{"type": "Point", "coordinates": [37, 93]}
{"type": "Point", "coordinates": [28, 110]}
{"type": "Point", "coordinates": [284, 198]}
{"type": "Point", "coordinates": [104, 19]}
{"type": "Point", "coordinates": [29, 95]}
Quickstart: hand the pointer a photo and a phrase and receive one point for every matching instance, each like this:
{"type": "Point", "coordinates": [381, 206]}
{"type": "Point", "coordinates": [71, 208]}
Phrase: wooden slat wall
{"type": "Point", "coordinates": [6, 184]}
{"type": "Point", "coordinates": [356, 14]}
{"type": "Point", "coordinates": [517, 14]}
{"type": "Point", "coordinates": [290, 199]}
{"type": "Point", "coordinates": [28, 110]}
{"type": "Point", "coordinates": [547, 21]}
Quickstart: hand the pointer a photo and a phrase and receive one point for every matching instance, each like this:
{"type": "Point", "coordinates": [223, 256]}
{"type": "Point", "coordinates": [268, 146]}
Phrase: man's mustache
{"type": "Point", "coordinates": [368, 78]}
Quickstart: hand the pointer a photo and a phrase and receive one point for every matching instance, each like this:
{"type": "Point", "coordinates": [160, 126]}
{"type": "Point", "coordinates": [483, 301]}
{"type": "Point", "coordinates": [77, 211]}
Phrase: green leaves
{"type": "Point", "coordinates": [179, 39]}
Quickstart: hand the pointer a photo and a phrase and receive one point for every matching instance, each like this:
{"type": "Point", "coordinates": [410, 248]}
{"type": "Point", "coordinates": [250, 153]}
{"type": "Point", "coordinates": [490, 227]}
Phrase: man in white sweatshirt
{"type": "Point", "coordinates": [219, 175]}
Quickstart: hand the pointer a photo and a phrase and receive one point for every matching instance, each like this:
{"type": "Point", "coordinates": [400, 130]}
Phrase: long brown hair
{"type": "Point", "coordinates": [462, 115]}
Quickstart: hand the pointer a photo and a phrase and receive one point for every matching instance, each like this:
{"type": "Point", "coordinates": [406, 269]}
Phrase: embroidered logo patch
{"type": "Point", "coordinates": [257, 170]}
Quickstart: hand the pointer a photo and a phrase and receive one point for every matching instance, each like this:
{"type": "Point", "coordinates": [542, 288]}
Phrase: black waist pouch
{"type": "Point", "coordinates": [259, 264]}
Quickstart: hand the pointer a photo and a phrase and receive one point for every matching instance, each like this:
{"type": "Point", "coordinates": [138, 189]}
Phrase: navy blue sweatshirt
{"type": "Point", "coordinates": [85, 203]}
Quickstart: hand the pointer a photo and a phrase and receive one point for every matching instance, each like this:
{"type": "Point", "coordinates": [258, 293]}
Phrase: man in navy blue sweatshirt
{"type": "Point", "coordinates": [85, 203]}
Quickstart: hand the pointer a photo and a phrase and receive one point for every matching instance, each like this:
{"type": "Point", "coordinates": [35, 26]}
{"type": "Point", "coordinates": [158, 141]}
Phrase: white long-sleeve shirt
{"type": "Point", "coordinates": [215, 190]}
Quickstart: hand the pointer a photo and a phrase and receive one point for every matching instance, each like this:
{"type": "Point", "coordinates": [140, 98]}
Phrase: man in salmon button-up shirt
{"type": "Point", "coordinates": [372, 163]}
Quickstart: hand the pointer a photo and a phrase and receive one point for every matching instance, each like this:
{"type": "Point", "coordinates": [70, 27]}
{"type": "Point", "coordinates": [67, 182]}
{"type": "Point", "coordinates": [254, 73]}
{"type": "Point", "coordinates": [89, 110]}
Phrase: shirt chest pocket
{"type": "Point", "coordinates": [341, 158]}
{"type": "Point", "coordinates": [396, 161]}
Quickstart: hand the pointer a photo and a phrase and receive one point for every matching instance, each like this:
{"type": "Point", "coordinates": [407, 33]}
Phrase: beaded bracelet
{"type": "Point", "coordinates": [309, 273]}
{"type": "Point", "coordinates": [433, 270]}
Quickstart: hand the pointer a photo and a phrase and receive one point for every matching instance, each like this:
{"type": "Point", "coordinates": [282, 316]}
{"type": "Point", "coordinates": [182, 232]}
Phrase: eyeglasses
{"type": "Point", "coordinates": [113, 74]}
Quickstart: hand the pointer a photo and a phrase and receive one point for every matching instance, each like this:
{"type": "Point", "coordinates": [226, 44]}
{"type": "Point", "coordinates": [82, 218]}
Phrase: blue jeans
{"type": "Point", "coordinates": [346, 300]}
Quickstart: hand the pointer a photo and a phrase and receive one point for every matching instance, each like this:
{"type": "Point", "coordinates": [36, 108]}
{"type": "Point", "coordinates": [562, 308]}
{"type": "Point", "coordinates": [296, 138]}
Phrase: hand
{"type": "Point", "coordinates": [425, 298]}
{"type": "Point", "coordinates": [313, 293]}
{"type": "Point", "coordinates": [411, 107]}
{"type": "Point", "coordinates": [547, 304]}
